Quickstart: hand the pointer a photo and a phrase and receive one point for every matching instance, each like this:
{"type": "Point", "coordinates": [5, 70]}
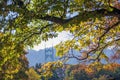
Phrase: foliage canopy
{"type": "Point", "coordinates": [94, 24]}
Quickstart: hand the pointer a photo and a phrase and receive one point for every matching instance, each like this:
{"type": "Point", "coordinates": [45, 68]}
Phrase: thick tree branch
{"type": "Point", "coordinates": [83, 16]}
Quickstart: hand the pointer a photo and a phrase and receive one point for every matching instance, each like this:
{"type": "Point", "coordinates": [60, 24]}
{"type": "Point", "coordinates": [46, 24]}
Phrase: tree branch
{"type": "Point", "coordinates": [82, 16]}
{"type": "Point", "coordinates": [98, 45]}
{"type": "Point", "coordinates": [40, 32]}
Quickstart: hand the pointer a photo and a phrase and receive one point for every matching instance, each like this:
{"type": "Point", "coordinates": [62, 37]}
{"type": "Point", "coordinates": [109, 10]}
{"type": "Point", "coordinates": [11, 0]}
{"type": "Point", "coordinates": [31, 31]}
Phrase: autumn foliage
{"type": "Point", "coordinates": [94, 26]}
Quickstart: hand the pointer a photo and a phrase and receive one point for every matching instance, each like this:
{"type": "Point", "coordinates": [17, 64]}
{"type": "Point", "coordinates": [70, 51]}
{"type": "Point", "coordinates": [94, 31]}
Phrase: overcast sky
{"type": "Point", "coordinates": [63, 36]}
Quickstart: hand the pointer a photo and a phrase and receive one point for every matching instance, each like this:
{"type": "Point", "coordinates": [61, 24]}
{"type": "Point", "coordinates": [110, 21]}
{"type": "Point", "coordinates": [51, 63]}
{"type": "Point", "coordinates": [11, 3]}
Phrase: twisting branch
{"type": "Point", "coordinates": [98, 44]}
{"type": "Point", "coordinates": [106, 31]}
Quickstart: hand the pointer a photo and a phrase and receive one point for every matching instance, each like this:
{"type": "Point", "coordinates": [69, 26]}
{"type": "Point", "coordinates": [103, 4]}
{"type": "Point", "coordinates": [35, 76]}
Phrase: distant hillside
{"type": "Point", "coordinates": [39, 56]}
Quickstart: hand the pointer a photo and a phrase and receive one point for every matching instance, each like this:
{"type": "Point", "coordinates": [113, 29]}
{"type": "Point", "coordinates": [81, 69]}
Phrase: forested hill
{"type": "Point", "coordinates": [39, 56]}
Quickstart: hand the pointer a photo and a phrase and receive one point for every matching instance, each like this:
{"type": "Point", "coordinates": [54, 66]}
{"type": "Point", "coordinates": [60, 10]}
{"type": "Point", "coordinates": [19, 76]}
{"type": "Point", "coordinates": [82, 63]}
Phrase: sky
{"type": "Point", "coordinates": [62, 36]}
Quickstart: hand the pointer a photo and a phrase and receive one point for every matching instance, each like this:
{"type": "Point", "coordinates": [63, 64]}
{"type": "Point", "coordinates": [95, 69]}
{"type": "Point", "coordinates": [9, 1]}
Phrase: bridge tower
{"type": "Point", "coordinates": [49, 54]}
